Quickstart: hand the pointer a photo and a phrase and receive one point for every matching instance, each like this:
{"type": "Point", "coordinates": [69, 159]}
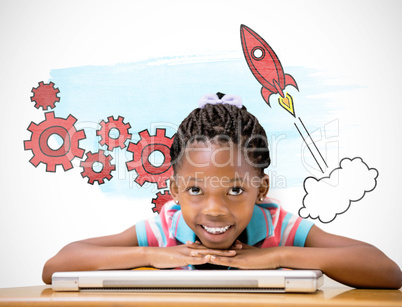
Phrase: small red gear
{"type": "Point", "coordinates": [141, 152]}
{"type": "Point", "coordinates": [45, 95]}
{"type": "Point", "coordinates": [114, 124]}
{"type": "Point", "coordinates": [89, 172]}
{"type": "Point", "coordinates": [160, 200]}
{"type": "Point", "coordinates": [63, 156]}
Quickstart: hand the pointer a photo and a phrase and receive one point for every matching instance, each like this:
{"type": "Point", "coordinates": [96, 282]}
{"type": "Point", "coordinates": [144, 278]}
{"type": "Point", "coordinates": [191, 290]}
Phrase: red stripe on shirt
{"type": "Point", "coordinates": [292, 234]}
{"type": "Point", "coordinates": [152, 241]}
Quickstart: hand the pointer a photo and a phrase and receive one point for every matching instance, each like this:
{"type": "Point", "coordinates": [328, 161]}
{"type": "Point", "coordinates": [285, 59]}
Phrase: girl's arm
{"type": "Point", "coordinates": [348, 261]}
{"type": "Point", "coordinates": [115, 251]}
{"type": "Point", "coordinates": [120, 251]}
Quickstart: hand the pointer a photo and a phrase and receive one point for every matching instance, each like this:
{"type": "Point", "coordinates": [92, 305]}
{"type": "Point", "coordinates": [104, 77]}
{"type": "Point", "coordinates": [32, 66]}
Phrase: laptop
{"type": "Point", "coordinates": [258, 281]}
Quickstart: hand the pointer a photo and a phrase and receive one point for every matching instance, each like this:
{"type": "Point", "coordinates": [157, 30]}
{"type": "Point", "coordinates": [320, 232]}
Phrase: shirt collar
{"type": "Point", "coordinates": [260, 225]}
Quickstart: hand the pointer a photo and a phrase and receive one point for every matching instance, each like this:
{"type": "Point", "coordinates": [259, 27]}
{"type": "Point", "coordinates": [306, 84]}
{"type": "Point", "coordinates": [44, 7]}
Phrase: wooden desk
{"type": "Point", "coordinates": [44, 296]}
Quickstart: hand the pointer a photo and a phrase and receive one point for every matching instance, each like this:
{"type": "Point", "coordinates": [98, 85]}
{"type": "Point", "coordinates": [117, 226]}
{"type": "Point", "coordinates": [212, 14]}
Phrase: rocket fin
{"type": "Point", "coordinates": [265, 93]}
{"type": "Point", "coordinates": [289, 80]}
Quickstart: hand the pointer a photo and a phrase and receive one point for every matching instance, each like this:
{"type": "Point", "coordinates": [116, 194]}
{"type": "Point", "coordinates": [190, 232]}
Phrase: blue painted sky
{"type": "Point", "coordinates": [161, 92]}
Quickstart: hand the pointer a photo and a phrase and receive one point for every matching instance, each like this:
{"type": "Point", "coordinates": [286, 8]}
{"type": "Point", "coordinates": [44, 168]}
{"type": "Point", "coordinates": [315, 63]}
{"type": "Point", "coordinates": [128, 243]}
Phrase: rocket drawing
{"type": "Point", "coordinates": [266, 67]}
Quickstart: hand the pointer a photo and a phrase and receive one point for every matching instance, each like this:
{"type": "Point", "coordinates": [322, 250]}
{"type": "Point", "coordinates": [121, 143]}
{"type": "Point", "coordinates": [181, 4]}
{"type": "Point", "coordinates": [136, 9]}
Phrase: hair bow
{"type": "Point", "coordinates": [223, 99]}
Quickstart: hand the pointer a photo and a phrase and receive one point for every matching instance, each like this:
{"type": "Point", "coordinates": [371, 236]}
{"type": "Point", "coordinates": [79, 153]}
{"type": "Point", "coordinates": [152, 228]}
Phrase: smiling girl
{"type": "Point", "coordinates": [220, 216]}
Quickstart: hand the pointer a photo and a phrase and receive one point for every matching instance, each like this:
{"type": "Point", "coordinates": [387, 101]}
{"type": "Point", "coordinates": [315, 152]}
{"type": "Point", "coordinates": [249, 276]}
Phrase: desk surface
{"type": "Point", "coordinates": [44, 296]}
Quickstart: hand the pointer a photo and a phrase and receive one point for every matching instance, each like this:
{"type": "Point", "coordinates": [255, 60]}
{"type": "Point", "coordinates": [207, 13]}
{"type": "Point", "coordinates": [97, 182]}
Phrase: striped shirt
{"type": "Point", "coordinates": [269, 224]}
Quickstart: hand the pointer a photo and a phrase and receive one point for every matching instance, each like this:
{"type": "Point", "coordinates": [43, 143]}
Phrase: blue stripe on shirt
{"type": "Point", "coordinates": [140, 230]}
{"type": "Point", "coordinates": [270, 226]}
{"type": "Point", "coordinates": [158, 223]}
{"type": "Point", "coordinates": [302, 232]}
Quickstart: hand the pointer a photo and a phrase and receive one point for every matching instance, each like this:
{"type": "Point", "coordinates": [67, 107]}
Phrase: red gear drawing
{"type": "Point", "coordinates": [63, 156]}
{"type": "Point", "coordinates": [114, 124]}
{"type": "Point", "coordinates": [141, 152]}
{"type": "Point", "coordinates": [160, 200]}
{"type": "Point", "coordinates": [89, 172]}
{"type": "Point", "coordinates": [45, 95]}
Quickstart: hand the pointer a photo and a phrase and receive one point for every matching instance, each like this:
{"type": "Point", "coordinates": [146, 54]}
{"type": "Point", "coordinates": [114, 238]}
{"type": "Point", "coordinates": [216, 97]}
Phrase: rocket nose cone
{"type": "Point", "coordinates": [243, 27]}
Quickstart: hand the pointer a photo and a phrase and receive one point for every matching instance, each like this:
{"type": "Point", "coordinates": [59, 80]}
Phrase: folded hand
{"type": "Point", "coordinates": [240, 255]}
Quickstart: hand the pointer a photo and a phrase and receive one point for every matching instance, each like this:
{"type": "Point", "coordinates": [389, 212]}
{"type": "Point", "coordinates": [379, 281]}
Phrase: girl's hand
{"type": "Point", "coordinates": [245, 257]}
{"type": "Point", "coordinates": [182, 255]}
{"type": "Point", "coordinates": [249, 258]}
{"type": "Point", "coordinates": [205, 250]}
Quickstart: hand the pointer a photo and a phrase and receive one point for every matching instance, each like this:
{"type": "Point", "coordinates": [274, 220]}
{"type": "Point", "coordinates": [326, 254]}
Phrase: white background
{"type": "Point", "coordinates": [350, 41]}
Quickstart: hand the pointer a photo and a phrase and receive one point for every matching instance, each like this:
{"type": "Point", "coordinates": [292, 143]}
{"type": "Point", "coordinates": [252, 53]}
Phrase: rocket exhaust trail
{"type": "Point", "coordinates": [313, 142]}
{"type": "Point", "coordinates": [309, 148]}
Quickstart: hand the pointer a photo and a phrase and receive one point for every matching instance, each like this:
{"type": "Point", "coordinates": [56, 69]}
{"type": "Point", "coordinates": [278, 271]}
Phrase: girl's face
{"type": "Point", "coordinates": [217, 190]}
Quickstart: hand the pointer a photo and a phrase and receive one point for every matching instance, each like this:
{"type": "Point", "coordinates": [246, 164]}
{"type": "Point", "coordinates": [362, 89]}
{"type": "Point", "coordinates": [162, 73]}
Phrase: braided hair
{"type": "Point", "coordinates": [222, 123]}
